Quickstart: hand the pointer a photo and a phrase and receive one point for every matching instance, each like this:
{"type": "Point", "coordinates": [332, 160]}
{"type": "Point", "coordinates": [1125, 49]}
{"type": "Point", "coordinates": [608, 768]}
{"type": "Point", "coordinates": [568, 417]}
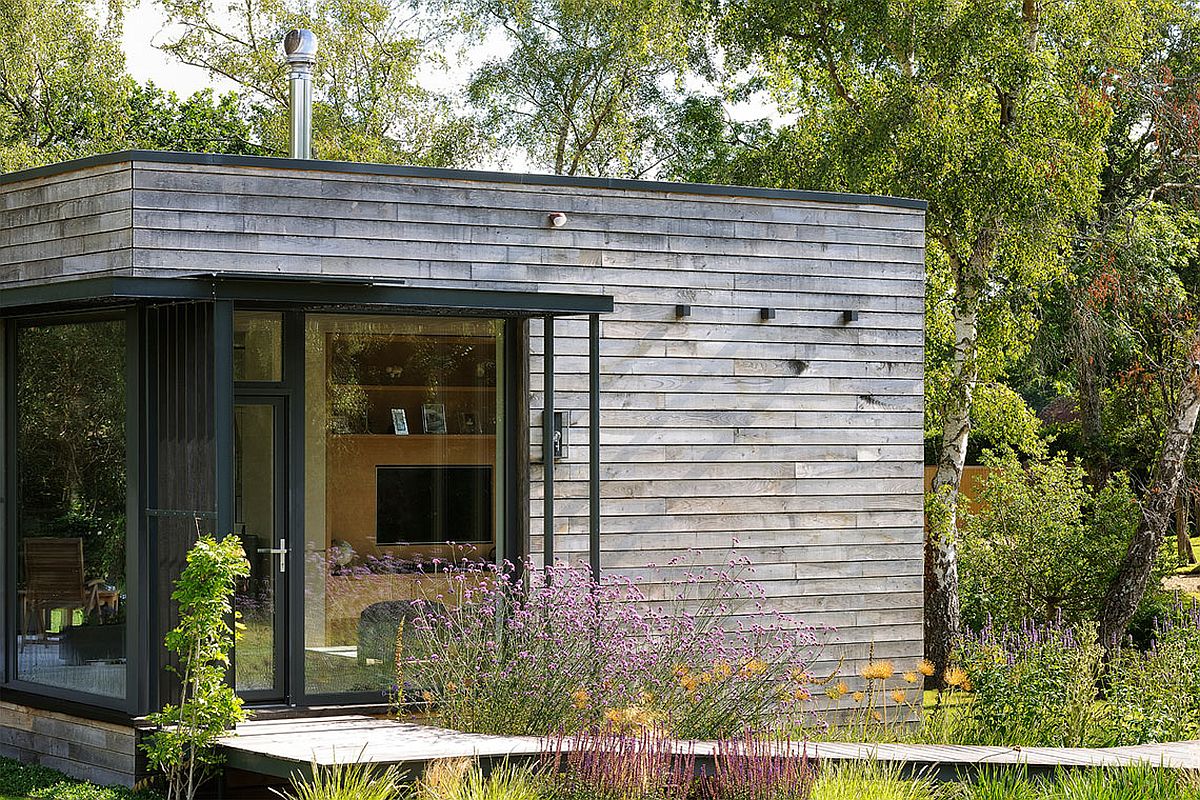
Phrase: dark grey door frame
{"type": "Point", "coordinates": [283, 531]}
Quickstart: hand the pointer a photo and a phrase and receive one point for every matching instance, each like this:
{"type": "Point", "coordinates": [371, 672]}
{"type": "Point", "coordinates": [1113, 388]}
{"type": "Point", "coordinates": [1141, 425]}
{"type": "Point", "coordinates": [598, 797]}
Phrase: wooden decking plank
{"type": "Point", "coordinates": [329, 740]}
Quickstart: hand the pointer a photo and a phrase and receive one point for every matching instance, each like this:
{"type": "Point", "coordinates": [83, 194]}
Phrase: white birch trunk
{"type": "Point", "coordinates": [943, 621]}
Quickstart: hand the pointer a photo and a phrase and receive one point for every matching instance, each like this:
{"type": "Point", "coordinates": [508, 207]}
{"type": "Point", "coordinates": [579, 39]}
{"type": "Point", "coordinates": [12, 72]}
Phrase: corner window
{"type": "Point", "coordinates": [70, 531]}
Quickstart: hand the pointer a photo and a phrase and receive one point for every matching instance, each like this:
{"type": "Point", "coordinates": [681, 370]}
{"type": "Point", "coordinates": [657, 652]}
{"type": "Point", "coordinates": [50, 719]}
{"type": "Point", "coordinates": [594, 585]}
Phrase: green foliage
{"type": "Point", "coordinates": [1036, 686]}
{"type": "Point", "coordinates": [362, 781]}
{"type": "Point", "coordinates": [1043, 543]}
{"type": "Point", "coordinates": [1141, 781]}
{"type": "Point", "coordinates": [182, 747]}
{"type": "Point", "coordinates": [61, 72]}
{"type": "Point", "coordinates": [874, 779]}
{"type": "Point", "coordinates": [581, 90]}
{"type": "Point", "coordinates": [34, 781]}
{"type": "Point", "coordinates": [1155, 693]}
{"type": "Point", "coordinates": [64, 92]}
{"type": "Point", "coordinates": [463, 779]}
{"type": "Point", "coordinates": [368, 103]}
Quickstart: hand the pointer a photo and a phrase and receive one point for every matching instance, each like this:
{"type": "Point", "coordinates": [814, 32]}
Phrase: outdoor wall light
{"type": "Point", "coordinates": [560, 445]}
{"type": "Point", "coordinates": [766, 314]}
{"type": "Point", "coordinates": [557, 219]}
{"type": "Point", "coordinates": [682, 311]}
{"type": "Point", "coordinates": [850, 315]}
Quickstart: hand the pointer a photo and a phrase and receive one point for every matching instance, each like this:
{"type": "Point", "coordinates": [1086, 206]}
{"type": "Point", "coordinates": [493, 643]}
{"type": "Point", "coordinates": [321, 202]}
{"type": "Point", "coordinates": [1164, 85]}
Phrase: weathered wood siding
{"type": "Point", "coordinates": [75, 224]}
{"type": "Point", "coordinates": [795, 442]}
{"type": "Point", "coordinates": [94, 751]}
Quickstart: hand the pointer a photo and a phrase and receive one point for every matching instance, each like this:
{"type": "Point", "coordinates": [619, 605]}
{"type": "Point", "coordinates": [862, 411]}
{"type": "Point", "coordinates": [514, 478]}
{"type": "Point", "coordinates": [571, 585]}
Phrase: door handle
{"type": "Point", "coordinates": [281, 551]}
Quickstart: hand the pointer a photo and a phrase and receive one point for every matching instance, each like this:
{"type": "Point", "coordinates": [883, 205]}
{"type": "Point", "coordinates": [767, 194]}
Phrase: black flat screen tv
{"type": "Point", "coordinates": [433, 504]}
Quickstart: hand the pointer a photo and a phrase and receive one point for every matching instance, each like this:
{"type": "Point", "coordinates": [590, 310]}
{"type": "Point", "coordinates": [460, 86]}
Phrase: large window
{"type": "Point", "coordinates": [402, 472]}
{"type": "Point", "coordinates": [71, 505]}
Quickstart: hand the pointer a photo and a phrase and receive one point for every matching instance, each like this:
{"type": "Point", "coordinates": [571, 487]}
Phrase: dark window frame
{"type": "Point", "coordinates": [134, 605]}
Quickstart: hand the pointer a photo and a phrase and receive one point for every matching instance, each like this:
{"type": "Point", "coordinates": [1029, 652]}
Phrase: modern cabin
{"type": "Point", "coordinates": [359, 368]}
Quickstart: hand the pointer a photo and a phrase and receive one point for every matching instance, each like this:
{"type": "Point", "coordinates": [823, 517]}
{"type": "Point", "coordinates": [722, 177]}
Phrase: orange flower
{"type": "Point", "coordinates": [878, 670]}
{"type": "Point", "coordinates": [899, 695]}
{"type": "Point", "coordinates": [910, 677]}
{"type": "Point", "coordinates": [580, 698]}
{"type": "Point", "coordinates": [957, 676]}
{"type": "Point", "coordinates": [754, 667]}
{"type": "Point", "coordinates": [926, 668]}
{"type": "Point", "coordinates": [858, 697]}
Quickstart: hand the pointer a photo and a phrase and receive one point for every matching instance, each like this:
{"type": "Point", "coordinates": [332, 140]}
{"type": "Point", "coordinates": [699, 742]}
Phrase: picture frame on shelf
{"type": "Point", "coordinates": [433, 418]}
{"type": "Point", "coordinates": [399, 422]}
{"type": "Point", "coordinates": [468, 422]}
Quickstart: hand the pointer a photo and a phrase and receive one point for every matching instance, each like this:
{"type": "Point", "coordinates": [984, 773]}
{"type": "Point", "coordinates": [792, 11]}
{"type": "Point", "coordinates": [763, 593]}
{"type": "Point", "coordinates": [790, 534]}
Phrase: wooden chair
{"type": "Point", "coordinates": [54, 578]}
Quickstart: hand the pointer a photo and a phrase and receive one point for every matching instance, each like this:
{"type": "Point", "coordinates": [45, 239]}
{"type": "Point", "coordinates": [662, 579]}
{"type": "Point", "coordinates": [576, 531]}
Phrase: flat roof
{"type": "Point", "coordinates": [527, 179]}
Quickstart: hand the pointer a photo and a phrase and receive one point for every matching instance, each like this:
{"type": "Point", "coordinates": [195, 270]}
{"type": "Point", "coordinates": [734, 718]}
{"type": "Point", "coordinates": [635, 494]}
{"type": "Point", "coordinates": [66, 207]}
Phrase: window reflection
{"type": "Point", "coordinates": [71, 527]}
{"type": "Point", "coordinates": [402, 469]}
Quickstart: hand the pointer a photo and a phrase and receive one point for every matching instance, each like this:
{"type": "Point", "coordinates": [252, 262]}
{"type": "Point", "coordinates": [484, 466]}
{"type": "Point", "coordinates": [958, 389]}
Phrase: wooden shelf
{"type": "Point", "coordinates": [411, 436]}
{"type": "Point", "coordinates": [386, 387]}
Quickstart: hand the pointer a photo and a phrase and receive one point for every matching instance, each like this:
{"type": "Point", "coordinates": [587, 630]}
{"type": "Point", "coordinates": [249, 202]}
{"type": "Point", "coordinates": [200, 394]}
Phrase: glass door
{"type": "Point", "coordinates": [260, 519]}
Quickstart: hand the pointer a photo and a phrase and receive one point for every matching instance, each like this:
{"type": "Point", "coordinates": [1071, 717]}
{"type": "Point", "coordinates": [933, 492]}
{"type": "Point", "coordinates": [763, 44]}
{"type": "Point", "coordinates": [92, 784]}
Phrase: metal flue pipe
{"type": "Point", "coordinates": [301, 48]}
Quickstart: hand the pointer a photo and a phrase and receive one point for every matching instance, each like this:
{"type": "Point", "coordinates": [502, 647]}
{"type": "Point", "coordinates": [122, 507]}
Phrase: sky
{"type": "Point", "coordinates": [144, 26]}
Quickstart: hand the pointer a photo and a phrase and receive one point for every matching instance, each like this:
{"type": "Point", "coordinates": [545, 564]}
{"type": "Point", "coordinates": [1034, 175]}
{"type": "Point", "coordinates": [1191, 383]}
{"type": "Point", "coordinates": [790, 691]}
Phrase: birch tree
{"type": "Point", "coordinates": [584, 89]}
{"type": "Point", "coordinates": [994, 112]}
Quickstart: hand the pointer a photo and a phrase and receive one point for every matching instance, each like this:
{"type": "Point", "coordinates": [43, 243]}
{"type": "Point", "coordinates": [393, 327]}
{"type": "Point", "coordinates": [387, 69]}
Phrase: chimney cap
{"type": "Point", "coordinates": [300, 46]}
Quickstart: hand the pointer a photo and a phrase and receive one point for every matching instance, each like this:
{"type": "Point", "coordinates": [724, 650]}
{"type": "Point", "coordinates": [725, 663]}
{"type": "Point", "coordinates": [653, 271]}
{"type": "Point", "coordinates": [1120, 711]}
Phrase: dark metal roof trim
{"type": "Point", "coordinates": [348, 167]}
{"type": "Point", "coordinates": [304, 291]}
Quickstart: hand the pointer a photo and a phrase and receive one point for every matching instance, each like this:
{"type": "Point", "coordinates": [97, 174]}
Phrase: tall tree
{"type": "Point", "coordinates": [584, 88]}
{"type": "Point", "coordinates": [995, 113]}
{"type": "Point", "coordinates": [61, 80]}
{"type": "Point", "coordinates": [1136, 290]}
{"type": "Point", "coordinates": [64, 92]}
{"type": "Point", "coordinates": [368, 102]}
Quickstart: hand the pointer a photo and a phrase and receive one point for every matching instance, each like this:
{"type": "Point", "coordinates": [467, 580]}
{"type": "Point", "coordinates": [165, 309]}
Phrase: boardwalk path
{"type": "Point", "coordinates": [280, 747]}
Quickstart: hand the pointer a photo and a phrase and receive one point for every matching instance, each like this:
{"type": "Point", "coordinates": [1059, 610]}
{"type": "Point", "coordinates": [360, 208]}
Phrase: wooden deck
{"type": "Point", "coordinates": [280, 748]}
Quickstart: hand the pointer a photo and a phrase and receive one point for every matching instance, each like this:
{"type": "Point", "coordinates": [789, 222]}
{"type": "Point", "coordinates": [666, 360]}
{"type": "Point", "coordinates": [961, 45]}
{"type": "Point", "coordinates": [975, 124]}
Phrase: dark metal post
{"type": "Point", "coordinates": [222, 400]}
{"type": "Point", "coordinates": [594, 444]}
{"type": "Point", "coordinates": [548, 441]}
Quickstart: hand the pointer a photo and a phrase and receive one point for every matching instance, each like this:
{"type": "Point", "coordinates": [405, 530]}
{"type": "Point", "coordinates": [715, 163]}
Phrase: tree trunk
{"type": "Point", "coordinates": [1128, 586]}
{"type": "Point", "coordinates": [1183, 508]}
{"type": "Point", "coordinates": [943, 622]}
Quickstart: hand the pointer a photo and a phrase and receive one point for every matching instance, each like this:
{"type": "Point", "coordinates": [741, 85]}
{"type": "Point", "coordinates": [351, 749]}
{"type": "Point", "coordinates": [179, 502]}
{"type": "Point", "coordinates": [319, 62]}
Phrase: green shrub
{"type": "Point", "coordinates": [32, 780]}
{"type": "Point", "coordinates": [1035, 685]}
{"type": "Point", "coordinates": [183, 746]}
{"type": "Point", "coordinates": [1155, 694]}
{"type": "Point", "coordinates": [1042, 544]}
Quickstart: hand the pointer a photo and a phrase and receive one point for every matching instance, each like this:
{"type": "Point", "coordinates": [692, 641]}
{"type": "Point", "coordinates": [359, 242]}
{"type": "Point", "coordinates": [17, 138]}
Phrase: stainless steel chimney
{"type": "Point", "coordinates": [301, 48]}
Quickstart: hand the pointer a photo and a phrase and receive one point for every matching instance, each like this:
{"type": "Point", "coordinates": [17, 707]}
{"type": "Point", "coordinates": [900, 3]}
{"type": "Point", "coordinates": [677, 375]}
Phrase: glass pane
{"type": "Point", "coordinates": [401, 469]}
{"type": "Point", "coordinates": [255, 511]}
{"type": "Point", "coordinates": [258, 346]}
{"type": "Point", "coordinates": [70, 405]}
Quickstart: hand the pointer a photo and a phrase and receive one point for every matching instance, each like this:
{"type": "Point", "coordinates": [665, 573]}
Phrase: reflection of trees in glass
{"type": "Point", "coordinates": [71, 438]}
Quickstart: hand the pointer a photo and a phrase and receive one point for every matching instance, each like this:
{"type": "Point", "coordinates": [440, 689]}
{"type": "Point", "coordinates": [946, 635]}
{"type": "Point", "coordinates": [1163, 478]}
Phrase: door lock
{"type": "Point", "coordinates": [281, 551]}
